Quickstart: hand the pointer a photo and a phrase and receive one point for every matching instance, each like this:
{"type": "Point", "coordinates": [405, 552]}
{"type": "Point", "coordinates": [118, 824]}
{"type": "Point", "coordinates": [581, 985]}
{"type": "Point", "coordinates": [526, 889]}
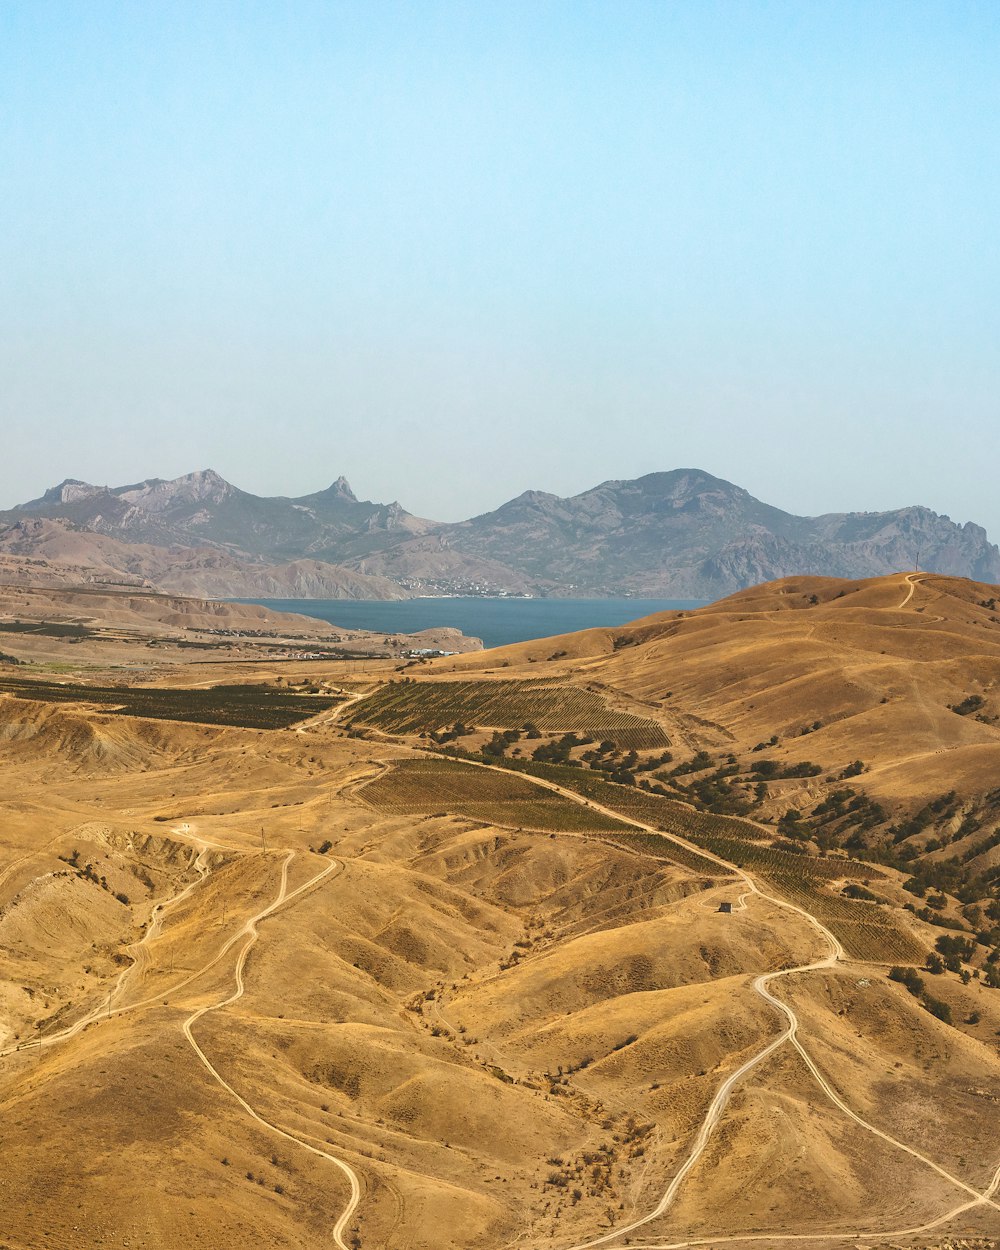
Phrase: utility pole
{"type": "Point", "coordinates": [109, 1004]}
{"type": "Point", "coordinates": [263, 840]}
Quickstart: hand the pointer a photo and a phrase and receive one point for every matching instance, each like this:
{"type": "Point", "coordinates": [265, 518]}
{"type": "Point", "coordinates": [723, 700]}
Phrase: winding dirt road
{"type": "Point", "coordinates": [911, 581]}
{"type": "Point", "coordinates": [719, 1102]}
{"type": "Point", "coordinates": [140, 960]}
{"type": "Point", "coordinates": [250, 933]}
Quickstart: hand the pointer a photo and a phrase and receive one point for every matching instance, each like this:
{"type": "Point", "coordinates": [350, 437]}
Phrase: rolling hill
{"type": "Point", "coordinates": [564, 975]}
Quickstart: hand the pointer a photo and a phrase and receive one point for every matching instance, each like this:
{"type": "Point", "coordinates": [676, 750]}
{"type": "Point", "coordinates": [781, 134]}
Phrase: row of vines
{"type": "Point", "coordinates": [418, 706]}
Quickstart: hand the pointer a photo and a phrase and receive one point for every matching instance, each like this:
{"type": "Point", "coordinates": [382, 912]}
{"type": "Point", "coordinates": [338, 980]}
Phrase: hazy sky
{"type": "Point", "coordinates": [455, 251]}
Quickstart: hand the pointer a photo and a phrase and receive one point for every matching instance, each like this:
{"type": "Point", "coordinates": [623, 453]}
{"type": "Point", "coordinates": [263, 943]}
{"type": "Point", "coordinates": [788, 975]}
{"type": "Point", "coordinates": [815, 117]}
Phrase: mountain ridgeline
{"type": "Point", "coordinates": [681, 534]}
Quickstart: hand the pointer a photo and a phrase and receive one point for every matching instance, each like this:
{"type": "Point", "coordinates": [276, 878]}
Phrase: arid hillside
{"type": "Point", "coordinates": [103, 625]}
{"type": "Point", "coordinates": [855, 715]}
{"type": "Point", "coordinates": [901, 671]}
{"type": "Point", "coordinates": [515, 950]}
{"type": "Point", "coordinates": [38, 551]}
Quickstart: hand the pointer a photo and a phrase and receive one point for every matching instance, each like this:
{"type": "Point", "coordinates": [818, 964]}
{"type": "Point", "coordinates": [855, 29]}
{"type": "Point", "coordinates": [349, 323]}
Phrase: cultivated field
{"type": "Point", "coordinates": [415, 706]}
{"type": "Point", "coordinates": [424, 787]}
{"type": "Point", "coordinates": [249, 706]}
{"type": "Point", "coordinates": [868, 931]}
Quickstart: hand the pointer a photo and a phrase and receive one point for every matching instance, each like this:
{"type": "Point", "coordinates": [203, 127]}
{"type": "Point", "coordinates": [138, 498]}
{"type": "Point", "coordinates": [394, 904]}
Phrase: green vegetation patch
{"type": "Point", "coordinates": [428, 787]}
{"type": "Point", "coordinates": [246, 706]}
{"type": "Point", "coordinates": [410, 706]}
{"type": "Point", "coordinates": [47, 629]}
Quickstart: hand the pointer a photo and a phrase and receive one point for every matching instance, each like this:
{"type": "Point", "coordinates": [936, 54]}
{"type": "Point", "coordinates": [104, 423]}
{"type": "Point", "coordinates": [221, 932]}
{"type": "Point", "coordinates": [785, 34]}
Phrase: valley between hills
{"type": "Point", "coordinates": [685, 933]}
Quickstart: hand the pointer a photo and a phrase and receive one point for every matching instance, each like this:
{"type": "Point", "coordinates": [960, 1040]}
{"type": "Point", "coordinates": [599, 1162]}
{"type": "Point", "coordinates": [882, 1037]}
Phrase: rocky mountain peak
{"type": "Point", "coordinates": [342, 489]}
{"type": "Point", "coordinates": [71, 490]}
{"type": "Point", "coordinates": [683, 485]}
{"type": "Point", "coordinates": [156, 495]}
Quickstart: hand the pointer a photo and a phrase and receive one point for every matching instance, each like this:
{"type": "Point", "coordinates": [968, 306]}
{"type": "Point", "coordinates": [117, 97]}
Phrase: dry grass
{"type": "Point", "coordinates": [512, 1037]}
{"type": "Point", "coordinates": [866, 930]}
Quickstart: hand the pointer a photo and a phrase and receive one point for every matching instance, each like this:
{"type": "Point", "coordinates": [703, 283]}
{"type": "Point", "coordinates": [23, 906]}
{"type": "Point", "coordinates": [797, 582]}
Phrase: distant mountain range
{"type": "Point", "coordinates": [681, 534]}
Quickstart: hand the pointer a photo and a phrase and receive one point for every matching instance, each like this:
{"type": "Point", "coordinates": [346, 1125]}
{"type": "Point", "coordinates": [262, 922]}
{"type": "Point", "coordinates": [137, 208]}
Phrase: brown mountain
{"type": "Point", "coordinates": [39, 551]}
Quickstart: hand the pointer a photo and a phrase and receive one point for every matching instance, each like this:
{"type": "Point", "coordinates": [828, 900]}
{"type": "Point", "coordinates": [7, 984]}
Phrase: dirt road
{"type": "Point", "coordinates": [720, 1100]}
{"type": "Point", "coordinates": [250, 933]}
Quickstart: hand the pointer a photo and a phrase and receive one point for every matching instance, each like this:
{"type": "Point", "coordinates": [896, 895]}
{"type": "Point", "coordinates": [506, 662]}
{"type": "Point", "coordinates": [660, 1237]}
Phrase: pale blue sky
{"type": "Point", "coordinates": [455, 251]}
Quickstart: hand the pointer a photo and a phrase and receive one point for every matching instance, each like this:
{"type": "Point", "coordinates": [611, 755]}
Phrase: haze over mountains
{"type": "Point", "coordinates": [680, 534]}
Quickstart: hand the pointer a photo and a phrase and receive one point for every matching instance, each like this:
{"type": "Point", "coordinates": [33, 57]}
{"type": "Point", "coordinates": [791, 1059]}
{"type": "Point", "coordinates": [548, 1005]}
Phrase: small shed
{"type": "Point", "coordinates": [726, 908]}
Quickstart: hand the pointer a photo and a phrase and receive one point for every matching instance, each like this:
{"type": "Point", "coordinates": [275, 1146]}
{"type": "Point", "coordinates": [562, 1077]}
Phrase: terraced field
{"type": "Point", "coordinates": [251, 707]}
{"type": "Point", "coordinates": [414, 706]}
{"type": "Point", "coordinates": [430, 787]}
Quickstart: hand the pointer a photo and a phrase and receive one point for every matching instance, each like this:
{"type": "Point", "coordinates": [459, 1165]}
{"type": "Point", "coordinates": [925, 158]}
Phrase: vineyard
{"type": "Point", "coordinates": [727, 836]}
{"type": "Point", "coordinates": [249, 706]}
{"type": "Point", "coordinates": [866, 930]}
{"type": "Point", "coordinates": [663, 848]}
{"type": "Point", "coordinates": [427, 787]}
{"type": "Point", "coordinates": [415, 706]}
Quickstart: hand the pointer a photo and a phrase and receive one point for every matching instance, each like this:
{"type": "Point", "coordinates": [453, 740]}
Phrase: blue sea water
{"type": "Point", "coordinates": [496, 621]}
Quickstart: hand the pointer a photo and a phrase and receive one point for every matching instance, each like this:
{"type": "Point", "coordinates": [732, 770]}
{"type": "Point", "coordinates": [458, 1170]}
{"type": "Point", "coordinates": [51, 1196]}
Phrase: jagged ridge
{"type": "Point", "coordinates": [682, 534]}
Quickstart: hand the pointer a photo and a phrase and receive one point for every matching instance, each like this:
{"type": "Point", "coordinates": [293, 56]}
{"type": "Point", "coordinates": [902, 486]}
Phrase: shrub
{"type": "Point", "coordinates": [938, 1009]}
{"type": "Point", "coordinates": [908, 977]}
{"type": "Point", "coordinates": [858, 891]}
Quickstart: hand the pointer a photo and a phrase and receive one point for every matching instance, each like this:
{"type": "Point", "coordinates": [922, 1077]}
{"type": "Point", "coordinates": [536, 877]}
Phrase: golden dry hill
{"type": "Point", "coordinates": [902, 671]}
{"type": "Point", "coordinates": [512, 950]}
